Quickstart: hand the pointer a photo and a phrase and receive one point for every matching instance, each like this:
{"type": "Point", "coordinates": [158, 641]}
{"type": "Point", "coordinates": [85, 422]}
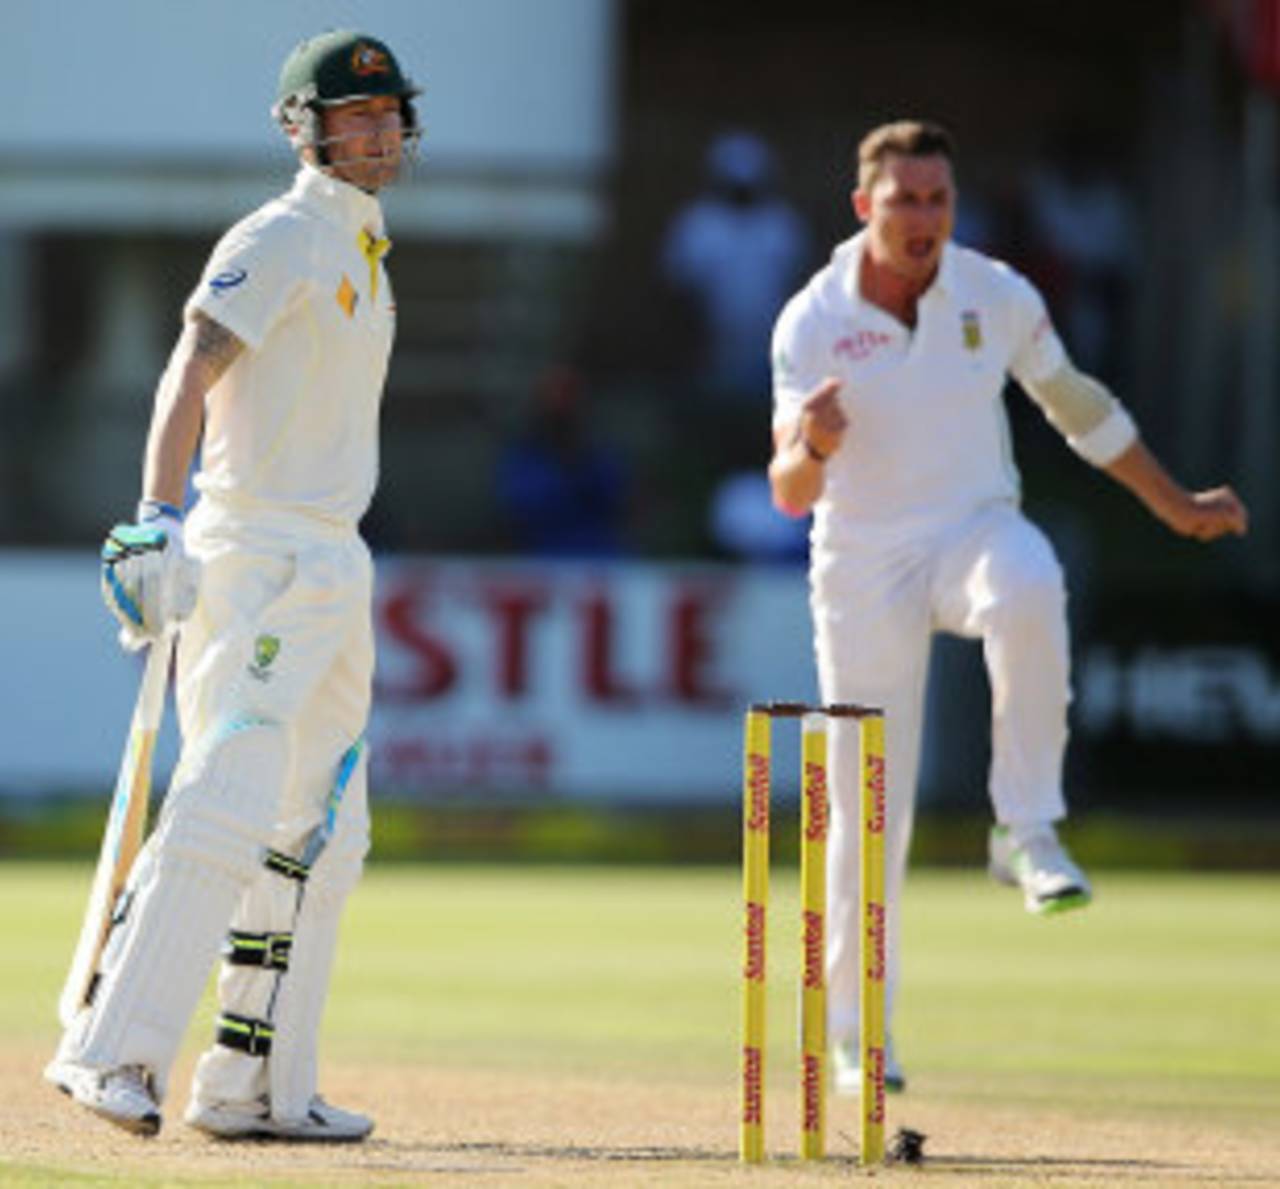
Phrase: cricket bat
{"type": "Point", "coordinates": [126, 825]}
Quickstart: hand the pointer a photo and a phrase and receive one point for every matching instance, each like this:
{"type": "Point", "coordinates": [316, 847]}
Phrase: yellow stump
{"type": "Point", "coordinates": [873, 917]}
{"type": "Point", "coordinates": [755, 890]}
{"type": "Point", "coordinates": [815, 816]}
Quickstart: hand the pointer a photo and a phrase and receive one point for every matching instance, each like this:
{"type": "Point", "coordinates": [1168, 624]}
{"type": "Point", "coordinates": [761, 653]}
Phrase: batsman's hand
{"type": "Point", "coordinates": [822, 420]}
{"type": "Point", "coordinates": [148, 581]}
{"type": "Point", "coordinates": [1208, 515]}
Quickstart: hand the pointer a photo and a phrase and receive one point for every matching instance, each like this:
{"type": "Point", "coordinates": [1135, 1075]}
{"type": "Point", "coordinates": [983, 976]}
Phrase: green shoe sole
{"type": "Point", "coordinates": [1061, 904]}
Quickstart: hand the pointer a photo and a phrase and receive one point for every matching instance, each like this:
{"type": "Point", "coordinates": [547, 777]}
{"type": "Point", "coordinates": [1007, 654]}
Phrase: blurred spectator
{"type": "Point", "coordinates": [1083, 227]}
{"type": "Point", "coordinates": [745, 524]}
{"type": "Point", "coordinates": [560, 493]}
{"type": "Point", "coordinates": [975, 224]}
{"type": "Point", "coordinates": [737, 252]}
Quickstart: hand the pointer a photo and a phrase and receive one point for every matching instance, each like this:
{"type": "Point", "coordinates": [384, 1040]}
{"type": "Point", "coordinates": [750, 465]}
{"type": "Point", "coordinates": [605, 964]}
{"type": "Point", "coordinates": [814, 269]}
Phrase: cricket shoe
{"type": "Point", "coordinates": [1038, 864]}
{"type": "Point", "coordinates": [123, 1096]}
{"type": "Point", "coordinates": [253, 1120]}
{"type": "Point", "coordinates": [848, 1072]}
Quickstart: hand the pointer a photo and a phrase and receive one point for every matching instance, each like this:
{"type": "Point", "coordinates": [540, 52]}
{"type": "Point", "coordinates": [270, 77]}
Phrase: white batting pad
{"type": "Point", "coordinates": [294, 1001]}
{"type": "Point", "coordinates": [293, 1064]}
{"type": "Point", "coordinates": [206, 848]}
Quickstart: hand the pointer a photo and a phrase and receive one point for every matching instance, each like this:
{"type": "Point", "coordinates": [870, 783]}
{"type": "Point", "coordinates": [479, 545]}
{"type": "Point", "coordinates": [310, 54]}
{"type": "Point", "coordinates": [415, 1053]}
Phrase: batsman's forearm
{"type": "Point", "coordinates": [176, 424]}
{"type": "Point", "coordinates": [796, 480]}
{"type": "Point", "coordinates": [204, 352]}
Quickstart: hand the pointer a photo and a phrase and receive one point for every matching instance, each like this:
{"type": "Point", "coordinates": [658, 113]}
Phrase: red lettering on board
{"type": "Point", "coordinates": [600, 679]}
{"type": "Point", "coordinates": [513, 608]}
{"type": "Point", "coordinates": [693, 646]}
{"type": "Point", "coordinates": [436, 669]}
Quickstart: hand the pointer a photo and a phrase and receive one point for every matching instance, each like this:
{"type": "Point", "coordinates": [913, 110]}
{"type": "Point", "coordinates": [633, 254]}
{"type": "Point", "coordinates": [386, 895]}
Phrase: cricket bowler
{"type": "Point", "coordinates": [889, 424]}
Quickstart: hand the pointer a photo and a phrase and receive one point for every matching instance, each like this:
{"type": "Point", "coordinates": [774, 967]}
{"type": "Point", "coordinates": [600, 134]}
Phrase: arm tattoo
{"type": "Point", "coordinates": [215, 348]}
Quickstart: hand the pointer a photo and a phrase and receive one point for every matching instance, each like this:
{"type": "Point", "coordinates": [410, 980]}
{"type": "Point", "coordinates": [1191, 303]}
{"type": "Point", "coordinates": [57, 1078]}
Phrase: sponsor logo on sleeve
{"type": "Point", "coordinates": [231, 279]}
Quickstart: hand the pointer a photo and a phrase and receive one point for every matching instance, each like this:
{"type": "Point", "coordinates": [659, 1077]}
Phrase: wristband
{"type": "Point", "coordinates": [813, 452]}
{"type": "Point", "coordinates": [149, 509]}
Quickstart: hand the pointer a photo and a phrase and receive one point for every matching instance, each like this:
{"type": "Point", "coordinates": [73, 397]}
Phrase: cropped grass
{"type": "Point", "coordinates": [1163, 977]}
{"type": "Point", "coordinates": [1162, 997]}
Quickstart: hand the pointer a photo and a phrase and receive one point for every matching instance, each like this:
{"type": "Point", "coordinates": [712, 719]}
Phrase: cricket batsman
{"type": "Point", "coordinates": [889, 370]}
{"type": "Point", "coordinates": [277, 376]}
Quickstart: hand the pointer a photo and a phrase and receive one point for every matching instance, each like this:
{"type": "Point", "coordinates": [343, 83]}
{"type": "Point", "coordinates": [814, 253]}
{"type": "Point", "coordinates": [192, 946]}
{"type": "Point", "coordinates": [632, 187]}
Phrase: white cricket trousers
{"type": "Point", "coordinates": [992, 576]}
{"type": "Point", "coordinates": [274, 676]}
{"type": "Point", "coordinates": [311, 596]}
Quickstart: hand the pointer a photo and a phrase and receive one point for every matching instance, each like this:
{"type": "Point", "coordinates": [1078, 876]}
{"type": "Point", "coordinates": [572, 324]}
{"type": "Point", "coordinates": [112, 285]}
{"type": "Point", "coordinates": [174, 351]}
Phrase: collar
{"type": "Point", "coordinates": [848, 260]}
{"type": "Point", "coordinates": [338, 201]}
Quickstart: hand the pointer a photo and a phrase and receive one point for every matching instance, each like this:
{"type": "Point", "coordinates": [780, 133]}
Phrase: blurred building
{"type": "Point", "coordinates": [562, 139]}
{"type": "Point", "coordinates": [135, 133]}
{"type": "Point", "coordinates": [1178, 101]}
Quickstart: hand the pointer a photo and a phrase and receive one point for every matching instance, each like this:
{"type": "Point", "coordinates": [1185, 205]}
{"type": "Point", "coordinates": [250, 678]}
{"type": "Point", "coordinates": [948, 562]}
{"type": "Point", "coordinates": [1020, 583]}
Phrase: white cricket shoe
{"type": "Point", "coordinates": [123, 1096]}
{"type": "Point", "coordinates": [253, 1120]}
{"type": "Point", "coordinates": [1041, 867]}
{"type": "Point", "coordinates": [847, 1071]}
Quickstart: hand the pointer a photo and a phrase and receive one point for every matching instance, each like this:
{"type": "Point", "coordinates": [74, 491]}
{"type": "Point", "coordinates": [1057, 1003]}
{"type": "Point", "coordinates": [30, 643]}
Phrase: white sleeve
{"type": "Point", "coordinates": [1037, 350]}
{"type": "Point", "coordinates": [254, 273]}
{"type": "Point", "coordinates": [1095, 424]}
{"type": "Point", "coordinates": [799, 364]}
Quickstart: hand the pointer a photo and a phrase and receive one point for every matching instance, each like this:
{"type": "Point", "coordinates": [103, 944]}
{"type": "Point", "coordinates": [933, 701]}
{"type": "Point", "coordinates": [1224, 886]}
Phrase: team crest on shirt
{"type": "Point", "coordinates": [265, 650]}
{"type": "Point", "coordinates": [971, 329]}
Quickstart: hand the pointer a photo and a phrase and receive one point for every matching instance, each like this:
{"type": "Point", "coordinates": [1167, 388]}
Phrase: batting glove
{"type": "Point", "coordinates": [148, 581]}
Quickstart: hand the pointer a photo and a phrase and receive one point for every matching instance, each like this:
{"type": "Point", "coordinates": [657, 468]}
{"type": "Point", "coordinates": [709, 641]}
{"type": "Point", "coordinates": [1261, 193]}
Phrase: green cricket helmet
{"type": "Point", "coordinates": [336, 67]}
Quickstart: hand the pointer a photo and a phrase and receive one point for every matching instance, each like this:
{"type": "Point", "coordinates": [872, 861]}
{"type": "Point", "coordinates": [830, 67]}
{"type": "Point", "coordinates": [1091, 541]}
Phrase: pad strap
{"type": "Point", "coordinates": [245, 1034]}
{"type": "Point", "coordinates": [283, 864]}
{"type": "Point", "coordinates": [267, 950]}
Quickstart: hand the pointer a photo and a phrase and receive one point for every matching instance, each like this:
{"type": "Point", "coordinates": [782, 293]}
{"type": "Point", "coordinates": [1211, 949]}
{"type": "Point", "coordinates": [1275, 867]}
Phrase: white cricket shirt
{"type": "Point", "coordinates": [291, 429]}
{"type": "Point", "coordinates": [928, 437]}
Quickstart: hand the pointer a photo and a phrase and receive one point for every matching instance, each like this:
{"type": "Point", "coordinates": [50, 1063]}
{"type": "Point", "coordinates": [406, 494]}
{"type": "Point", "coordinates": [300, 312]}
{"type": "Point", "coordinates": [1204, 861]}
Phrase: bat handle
{"type": "Point", "coordinates": [155, 680]}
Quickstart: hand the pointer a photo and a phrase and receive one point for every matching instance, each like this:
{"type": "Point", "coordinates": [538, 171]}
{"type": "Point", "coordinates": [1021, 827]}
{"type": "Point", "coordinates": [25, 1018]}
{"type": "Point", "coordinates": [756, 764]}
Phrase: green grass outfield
{"type": "Point", "coordinates": [1161, 1001]}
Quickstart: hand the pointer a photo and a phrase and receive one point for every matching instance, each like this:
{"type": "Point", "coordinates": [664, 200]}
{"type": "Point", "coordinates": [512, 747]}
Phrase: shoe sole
{"type": "Point", "coordinates": [147, 1126]}
{"type": "Point", "coordinates": [1059, 904]}
{"type": "Point", "coordinates": [263, 1134]}
{"type": "Point", "coordinates": [1076, 898]}
{"type": "Point", "coordinates": [276, 1137]}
